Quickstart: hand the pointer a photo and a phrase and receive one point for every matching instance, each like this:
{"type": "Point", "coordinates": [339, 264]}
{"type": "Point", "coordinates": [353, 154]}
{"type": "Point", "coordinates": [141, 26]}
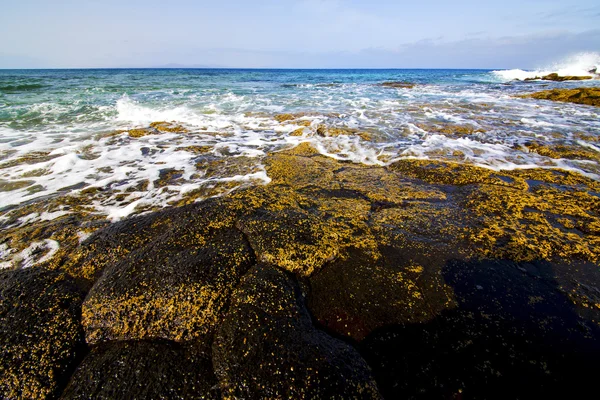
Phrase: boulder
{"type": "Point", "coordinates": [172, 284]}
{"type": "Point", "coordinates": [514, 334]}
{"type": "Point", "coordinates": [268, 347]}
{"type": "Point", "coordinates": [156, 369]}
{"type": "Point", "coordinates": [40, 334]}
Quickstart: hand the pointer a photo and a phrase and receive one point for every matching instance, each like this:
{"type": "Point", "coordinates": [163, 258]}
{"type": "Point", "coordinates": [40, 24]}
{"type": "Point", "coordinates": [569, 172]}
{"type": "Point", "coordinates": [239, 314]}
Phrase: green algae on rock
{"type": "Point", "coordinates": [588, 96]}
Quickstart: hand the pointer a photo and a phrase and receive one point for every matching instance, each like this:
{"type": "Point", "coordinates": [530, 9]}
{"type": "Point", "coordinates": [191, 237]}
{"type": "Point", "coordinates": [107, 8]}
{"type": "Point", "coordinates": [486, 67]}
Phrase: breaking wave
{"type": "Point", "coordinates": [581, 64]}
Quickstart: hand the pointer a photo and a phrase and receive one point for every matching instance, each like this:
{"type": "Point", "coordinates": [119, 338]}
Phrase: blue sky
{"type": "Point", "coordinates": [295, 33]}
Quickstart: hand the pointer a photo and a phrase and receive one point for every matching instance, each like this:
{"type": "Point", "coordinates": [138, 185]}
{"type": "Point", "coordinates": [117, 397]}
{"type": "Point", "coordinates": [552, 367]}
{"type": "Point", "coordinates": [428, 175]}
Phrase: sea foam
{"type": "Point", "coordinates": [575, 65]}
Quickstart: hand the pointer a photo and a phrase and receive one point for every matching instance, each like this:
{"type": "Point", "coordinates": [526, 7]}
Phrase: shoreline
{"type": "Point", "coordinates": [332, 261]}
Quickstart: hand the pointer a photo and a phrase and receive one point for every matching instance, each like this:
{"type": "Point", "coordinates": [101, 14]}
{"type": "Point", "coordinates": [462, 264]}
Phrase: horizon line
{"type": "Point", "coordinates": [252, 68]}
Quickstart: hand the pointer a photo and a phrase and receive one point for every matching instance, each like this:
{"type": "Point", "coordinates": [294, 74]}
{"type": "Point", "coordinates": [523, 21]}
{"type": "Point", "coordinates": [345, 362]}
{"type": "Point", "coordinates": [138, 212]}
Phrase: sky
{"type": "Point", "coordinates": [295, 33]}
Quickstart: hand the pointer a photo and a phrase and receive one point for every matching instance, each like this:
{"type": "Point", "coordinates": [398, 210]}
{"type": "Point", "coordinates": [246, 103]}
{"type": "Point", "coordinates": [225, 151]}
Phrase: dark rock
{"type": "Point", "coordinates": [173, 281]}
{"type": "Point", "coordinates": [267, 347]}
{"type": "Point", "coordinates": [144, 370]}
{"type": "Point", "coordinates": [514, 334]}
{"type": "Point", "coordinates": [557, 78]}
{"type": "Point", "coordinates": [40, 334]}
{"type": "Point", "coordinates": [402, 283]}
{"type": "Point", "coordinates": [400, 85]}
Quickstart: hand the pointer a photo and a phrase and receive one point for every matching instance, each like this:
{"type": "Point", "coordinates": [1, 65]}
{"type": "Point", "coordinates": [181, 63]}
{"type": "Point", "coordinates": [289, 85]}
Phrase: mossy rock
{"type": "Point", "coordinates": [40, 334]}
{"type": "Point", "coordinates": [267, 346]}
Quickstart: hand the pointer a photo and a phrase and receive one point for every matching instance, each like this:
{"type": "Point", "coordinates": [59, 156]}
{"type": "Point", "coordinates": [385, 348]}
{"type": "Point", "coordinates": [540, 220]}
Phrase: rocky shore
{"type": "Point", "coordinates": [337, 280]}
{"type": "Point", "coordinates": [588, 96]}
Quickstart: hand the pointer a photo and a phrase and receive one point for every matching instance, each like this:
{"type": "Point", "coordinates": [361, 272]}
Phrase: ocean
{"type": "Point", "coordinates": [70, 139]}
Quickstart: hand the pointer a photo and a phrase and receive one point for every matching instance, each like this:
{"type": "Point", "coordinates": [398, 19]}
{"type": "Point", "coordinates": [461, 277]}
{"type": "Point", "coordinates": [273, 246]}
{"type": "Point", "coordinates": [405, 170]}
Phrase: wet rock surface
{"type": "Point", "coordinates": [144, 370]}
{"type": "Point", "coordinates": [589, 96]}
{"type": "Point", "coordinates": [175, 285]}
{"type": "Point", "coordinates": [41, 339]}
{"type": "Point", "coordinates": [398, 85]}
{"type": "Point", "coordinates": [513, 334]}
{"type": "Point", "coordinates": [267, 346]}
{"type": "Point", "coordinates": [558, 78]}
{"type": "Point", "coordinates": [421, 279]}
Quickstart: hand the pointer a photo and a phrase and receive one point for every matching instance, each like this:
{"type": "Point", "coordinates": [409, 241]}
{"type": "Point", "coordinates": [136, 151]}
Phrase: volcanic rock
{"type": "Point", "coordinates": [589, 96]}
{"type": "Point", "coordinates": [173, 284]}
{"type": "Point", "coordinates": [40, 334]}
{"type": "Point", "coordinates": [157, 369]}
{"type": "Point", "coordinates": [267, 346]}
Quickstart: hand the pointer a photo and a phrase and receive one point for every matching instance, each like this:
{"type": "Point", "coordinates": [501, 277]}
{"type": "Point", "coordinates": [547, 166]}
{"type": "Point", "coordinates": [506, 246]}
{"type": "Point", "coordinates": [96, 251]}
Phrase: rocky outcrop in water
{"type": "Point", "coordinates": [557, 78]}
{"type": "Point", "coordinates": [422, 279]}
{"type": "Point", "coordinates": [588, 96]}
{"type": "Point", "coordinates": [398, 85]}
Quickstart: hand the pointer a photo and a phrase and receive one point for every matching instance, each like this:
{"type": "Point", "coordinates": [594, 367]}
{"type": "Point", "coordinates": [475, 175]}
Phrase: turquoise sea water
{"type": "Point", "coordinates": [66, 132]}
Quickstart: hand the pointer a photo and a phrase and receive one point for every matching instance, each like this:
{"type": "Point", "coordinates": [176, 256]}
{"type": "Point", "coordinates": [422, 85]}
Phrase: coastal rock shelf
{"type": "Point", "coordinates": [422, 279]}
{"type": "Point", "coordinates": [588, 96]}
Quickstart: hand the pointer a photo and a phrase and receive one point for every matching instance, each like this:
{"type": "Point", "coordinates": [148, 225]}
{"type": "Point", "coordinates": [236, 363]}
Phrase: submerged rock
{"type": "Point", "coordinates": [40, 334]}
{"type": "Point", "coordinates": [267, 346]}
{"type": "Point", "coordinates": [144, 370]}
{"type": "Point", "coordinates": [589, 96]}
{"type": "Point", "coordinates": [398, 85]}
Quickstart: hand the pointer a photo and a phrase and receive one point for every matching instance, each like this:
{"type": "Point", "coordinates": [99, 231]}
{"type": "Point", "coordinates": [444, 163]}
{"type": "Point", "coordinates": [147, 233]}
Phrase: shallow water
{"type": "Point", "coordinates": [66, 132]}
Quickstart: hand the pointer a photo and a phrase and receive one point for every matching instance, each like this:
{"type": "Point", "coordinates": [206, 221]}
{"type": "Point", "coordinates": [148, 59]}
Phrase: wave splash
{"type": "Point", "coordinates": [581, 64]}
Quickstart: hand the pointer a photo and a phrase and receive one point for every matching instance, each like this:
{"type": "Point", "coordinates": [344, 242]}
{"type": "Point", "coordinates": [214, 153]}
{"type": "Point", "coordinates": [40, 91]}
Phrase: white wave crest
{"type": "Point", "coordinates": [575, 65]}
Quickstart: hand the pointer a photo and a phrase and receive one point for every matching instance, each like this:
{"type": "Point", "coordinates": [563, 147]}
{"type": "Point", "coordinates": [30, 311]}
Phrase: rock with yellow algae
{"type": "Point", "coordinates": [172, 285]}
{"type": "Point", "coordinates": [172, 127]}
{"type": "Point", "coordinates": [334, 131]}
{"type": "Point", "coordinates": [267, 346]}
{"type": "Point", "coordinates": [156, 369]}
{"type": "Point", "coordinates": [589, 96]}
{"type": "Point", "coordinates": [295, 241]}
{"type": "Point", "coordinates": [141, 132]}
{"type": "Point", "coordinates": [563, 151]}
{"type": "Point", "coordinates": [40, 334]}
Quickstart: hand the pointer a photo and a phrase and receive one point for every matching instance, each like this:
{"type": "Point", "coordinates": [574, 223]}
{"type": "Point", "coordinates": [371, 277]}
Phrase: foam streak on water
{"type": "Point", "coordinates": [72, 134]}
